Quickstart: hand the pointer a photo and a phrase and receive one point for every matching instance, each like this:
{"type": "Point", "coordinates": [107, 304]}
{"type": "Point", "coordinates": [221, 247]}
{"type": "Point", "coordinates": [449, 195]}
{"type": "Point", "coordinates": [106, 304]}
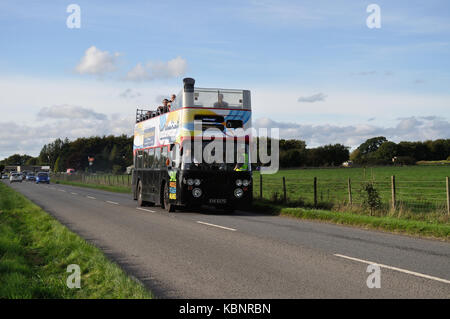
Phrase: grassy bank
{"type": "Point", "coordinates": [35, 251]}
{"type": "Point", "coordinates": [109, 188]}
{"type": "Point", "coordinates": [407, 225]}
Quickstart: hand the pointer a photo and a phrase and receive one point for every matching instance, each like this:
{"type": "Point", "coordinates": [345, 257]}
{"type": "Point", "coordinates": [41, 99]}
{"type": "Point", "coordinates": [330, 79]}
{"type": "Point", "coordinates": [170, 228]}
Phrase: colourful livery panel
{"type": "Point", "coordinates": [171, 127]}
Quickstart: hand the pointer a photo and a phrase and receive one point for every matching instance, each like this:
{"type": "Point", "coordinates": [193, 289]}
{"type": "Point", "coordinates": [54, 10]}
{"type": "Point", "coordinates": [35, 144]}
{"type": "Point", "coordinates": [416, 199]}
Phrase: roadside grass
{"type": "Point", "coordinates": [110, 188]}
{"type": "Point", "coordinates": [393, 222]}
{"type": "Point", "coordinates": [35, 251]}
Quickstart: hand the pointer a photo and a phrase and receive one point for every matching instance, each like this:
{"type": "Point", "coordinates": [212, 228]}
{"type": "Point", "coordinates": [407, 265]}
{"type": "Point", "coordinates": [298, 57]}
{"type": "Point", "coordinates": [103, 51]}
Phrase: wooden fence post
{"type": "Point", "coordinates": [350, 192]}
{"type": "Point", "coordinates": [393, 191]}
{"type": "Point", "coordinates": [448, 195]}
{"type": "Point", "coordinates": [315, 191]}
{"type": "Point", "coordinates": [260, 186]}
{"type": "Point", "coordinates": [284, 189]}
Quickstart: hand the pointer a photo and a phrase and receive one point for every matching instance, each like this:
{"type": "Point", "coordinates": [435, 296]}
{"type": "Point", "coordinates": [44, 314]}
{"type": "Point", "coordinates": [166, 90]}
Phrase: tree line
{"type": "Point", "coordinates": [109, 153]}
{"type": "Point", "coordinates": [115, 153]}
{"type": "Point", "coordinates": [380, 151]}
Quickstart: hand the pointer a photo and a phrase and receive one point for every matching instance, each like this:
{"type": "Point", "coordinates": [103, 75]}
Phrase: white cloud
{"type": "Point", "coordinates": [97, 62]}
{"type": "Point", "coordinates": [69, 112]}
{"type": "Point", "coordinates": [157, 70]}
{"type": "Point", "coordinates": [29, 139]}
{"type": "Point", "coordinates": [409, 129]}
{"type": "Point", "coordinates": [313, 98]}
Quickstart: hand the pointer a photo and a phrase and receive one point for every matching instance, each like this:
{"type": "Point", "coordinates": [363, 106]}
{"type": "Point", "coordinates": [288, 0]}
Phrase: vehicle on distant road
{"type": "Point", "coordinates": [15, 177]}
{"type": "Point", "coordinates": [42, 177]}
{"type": "Point", "coordinates": [30, 177]}
{"type": "Point", "coordinates": [5, 176]}
{"type": "Point", "coordinates": [70, 171]}
{"type": "Point", "coordinates": [167, 168]}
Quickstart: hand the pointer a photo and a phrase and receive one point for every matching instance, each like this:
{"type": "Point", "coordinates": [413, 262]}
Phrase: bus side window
{"type": "Point", "coordinates": [139, 159]}
{"type": "Point", "coordinates": [157, 157]}
{"type": "Point", "coordinates": [145, 159]}
{"type": "Point", "coordinates": [176, 156]}
{"type": "Point", "coordinates": [163, 157]}
{"type": "Point", "coordinates": [151, 157]}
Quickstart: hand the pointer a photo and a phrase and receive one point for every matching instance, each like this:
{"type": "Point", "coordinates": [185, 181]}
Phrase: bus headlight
{"type": "Point", "coordinates": [196, 182]}
{"type": "Point", "coordinates": [238, 182]}
{"type": "Point", "coordinates": [190, 181]}
{"type": "Point", "coordinates": [196, 192]}
{"type": "Point", "coordinates": [238, 192]}
{"type": "Point", "coordinates": [245, 182]}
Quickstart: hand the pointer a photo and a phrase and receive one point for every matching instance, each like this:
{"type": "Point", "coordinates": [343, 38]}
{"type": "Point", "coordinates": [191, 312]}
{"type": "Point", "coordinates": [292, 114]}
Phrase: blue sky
{"type": "Point", "coordinates": [393, 80]}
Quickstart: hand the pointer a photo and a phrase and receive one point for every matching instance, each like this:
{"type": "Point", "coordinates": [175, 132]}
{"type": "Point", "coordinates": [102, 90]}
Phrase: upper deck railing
{"type": "Point", "coordinates": [202, 97]}
{"type": "Point", "coordinates": [142, 115]}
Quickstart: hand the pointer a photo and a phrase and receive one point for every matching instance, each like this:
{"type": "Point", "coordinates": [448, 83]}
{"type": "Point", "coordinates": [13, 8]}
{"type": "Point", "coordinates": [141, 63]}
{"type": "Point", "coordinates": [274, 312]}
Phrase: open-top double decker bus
{"type": "Point", "coordinates": [177, 164]}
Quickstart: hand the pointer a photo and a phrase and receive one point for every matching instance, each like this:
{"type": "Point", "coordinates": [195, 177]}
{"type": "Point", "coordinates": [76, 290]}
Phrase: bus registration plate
{"type": "Point", "coordinates": [217, 200]}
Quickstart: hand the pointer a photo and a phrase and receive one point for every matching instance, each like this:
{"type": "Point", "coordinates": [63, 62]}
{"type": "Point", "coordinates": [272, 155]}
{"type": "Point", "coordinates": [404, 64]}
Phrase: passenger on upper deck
{"type": "Point", "coordinates": [220, 102]}
{"type": "Point", "coordinates": [166, 106]}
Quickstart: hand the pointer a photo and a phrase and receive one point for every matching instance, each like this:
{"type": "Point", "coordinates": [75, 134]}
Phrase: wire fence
{"type": "Point", "coordinates": [413, 195]}
{"type": "Point", "coordinates": [96, 179]}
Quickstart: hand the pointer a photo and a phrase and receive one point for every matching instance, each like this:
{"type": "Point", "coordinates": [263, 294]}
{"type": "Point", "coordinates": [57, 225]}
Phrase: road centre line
{"type": "Point", "coordinates": [218, 226]}
{"type": "Point", "coordinates": [147, 210]}
{"type": "Point", "coordinates": [417, 274]}
{"type": "Point", "coordinates": [90, 197]}
{"type": "Point", "coordinates": [108, 201]}
{"type": "Point", "coordinates": [74, 193]}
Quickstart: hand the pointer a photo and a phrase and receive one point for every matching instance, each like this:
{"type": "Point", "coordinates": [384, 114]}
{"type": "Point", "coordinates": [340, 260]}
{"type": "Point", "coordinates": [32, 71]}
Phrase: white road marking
{"type": "Point", "coordinates": [223, 227]}
{"type": "Point", "coordinates": [147, 210]}
{"type": "Point", "coordinates": [395, 268]}
{"type": "Point", "coordinates": [62, 190]}
{"type": "Point", "coordinates": [90, 197]}
{"type": "Point", "coordinates": [74, 193]}
{"type": "Point", "coordinates": [108, 201]}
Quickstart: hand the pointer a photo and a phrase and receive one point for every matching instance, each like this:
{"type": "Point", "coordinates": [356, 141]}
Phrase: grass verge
{"type": "Point", "coordinates": [386, 223]}
{"type": "Point", "coordinates": [109, 188]}
{"type": "Point", "coordinates": [35, 251]}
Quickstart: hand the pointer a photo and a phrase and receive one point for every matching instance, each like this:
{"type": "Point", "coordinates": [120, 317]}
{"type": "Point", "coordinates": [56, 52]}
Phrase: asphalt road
{"type": "Point", "coordinates": [209, 254]}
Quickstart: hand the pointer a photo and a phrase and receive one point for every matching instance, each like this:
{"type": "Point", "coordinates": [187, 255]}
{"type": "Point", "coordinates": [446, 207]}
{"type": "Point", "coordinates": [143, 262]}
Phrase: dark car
{"type": "Point", "coordinates": [42, 177]}
{"type": "Point", "coordinates": [30, 177]}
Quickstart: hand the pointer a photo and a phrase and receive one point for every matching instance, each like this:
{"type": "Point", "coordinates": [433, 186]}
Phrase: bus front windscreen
{"type": "Point", "coordinates": [216, 155]}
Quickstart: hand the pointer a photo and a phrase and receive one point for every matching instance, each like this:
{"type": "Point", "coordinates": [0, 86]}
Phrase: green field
{"type": "Point", "coordinates": [418, 188]}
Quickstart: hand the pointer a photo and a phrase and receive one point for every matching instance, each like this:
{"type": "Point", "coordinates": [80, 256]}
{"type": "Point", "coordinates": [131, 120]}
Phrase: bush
{"type": "Point", "coordinates": [370, 197]}
{"type": "Point", "coordinates": [405, 160]}
{"type": "Point", "coordinates": [116, 169]}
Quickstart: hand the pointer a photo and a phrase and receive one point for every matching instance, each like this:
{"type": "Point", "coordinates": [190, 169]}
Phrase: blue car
{"type": "Point", "coordinates": [42, 177]}
{"type": "Point", "coordinates": [30, 177]}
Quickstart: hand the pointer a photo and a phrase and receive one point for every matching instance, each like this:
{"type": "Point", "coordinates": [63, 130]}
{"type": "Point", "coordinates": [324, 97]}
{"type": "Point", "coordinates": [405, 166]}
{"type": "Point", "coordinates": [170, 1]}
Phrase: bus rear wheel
{"type": "Point", "coordinates": [140, 201]}
{"type": "Point", "coordinates": [166, 204]}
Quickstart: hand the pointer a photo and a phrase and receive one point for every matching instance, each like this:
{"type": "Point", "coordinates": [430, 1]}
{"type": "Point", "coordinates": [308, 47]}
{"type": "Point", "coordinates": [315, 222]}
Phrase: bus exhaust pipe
{"type": "Point", "coordinates": [188, 94]}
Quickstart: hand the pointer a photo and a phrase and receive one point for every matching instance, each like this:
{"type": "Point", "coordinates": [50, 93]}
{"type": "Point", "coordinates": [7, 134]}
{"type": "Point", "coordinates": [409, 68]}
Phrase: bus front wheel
{"type": "Point", "coordinates": [166, 204]}
{"type": "Point", "coordinates": [140, 201]}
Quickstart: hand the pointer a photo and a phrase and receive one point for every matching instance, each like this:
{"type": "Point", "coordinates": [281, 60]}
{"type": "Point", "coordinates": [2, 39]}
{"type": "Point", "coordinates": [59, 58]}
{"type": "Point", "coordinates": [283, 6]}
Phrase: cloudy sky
{"type": "Point", "coordinates": [315, 69]}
